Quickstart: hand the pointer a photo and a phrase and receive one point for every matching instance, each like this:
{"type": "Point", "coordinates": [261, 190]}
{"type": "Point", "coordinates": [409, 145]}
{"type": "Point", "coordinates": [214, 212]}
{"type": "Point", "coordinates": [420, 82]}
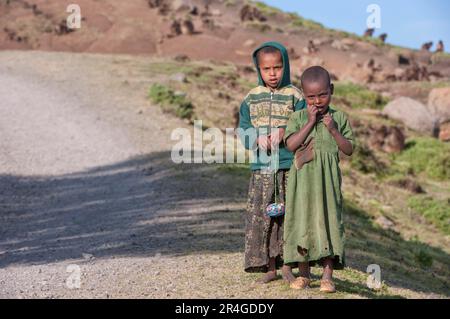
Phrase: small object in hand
{"type": "Point", "coordinates": [275, 210]}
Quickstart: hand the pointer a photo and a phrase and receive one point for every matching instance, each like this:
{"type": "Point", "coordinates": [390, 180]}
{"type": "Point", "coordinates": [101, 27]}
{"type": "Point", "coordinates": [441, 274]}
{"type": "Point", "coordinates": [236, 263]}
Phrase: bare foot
{"type": "Point", "coordinates": [267, 277]}
{"type": "Point", "coordinates": [286, 273]}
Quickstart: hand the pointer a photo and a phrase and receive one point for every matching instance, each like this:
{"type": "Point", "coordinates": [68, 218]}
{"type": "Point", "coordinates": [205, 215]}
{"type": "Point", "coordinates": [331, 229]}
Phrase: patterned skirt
{"type": "Point", "coordinates": [263, 234]}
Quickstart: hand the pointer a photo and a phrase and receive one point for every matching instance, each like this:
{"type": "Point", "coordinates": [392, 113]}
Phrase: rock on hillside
{"type": "Point", "coordinates": [439, 103]}
{"type": "Point", "coordinates": [413, 114]}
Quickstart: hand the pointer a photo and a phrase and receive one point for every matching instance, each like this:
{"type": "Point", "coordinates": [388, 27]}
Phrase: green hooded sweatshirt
{"type": "Point", "coordinates": [263, 109]}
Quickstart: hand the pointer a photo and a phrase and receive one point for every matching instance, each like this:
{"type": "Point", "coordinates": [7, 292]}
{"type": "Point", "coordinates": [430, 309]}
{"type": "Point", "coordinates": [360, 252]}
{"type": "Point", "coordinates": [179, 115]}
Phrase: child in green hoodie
{"type": "Point", "coordinates": [263, 116]}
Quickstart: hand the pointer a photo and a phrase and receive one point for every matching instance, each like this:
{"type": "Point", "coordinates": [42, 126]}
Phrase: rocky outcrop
{"type": "Point", "coordinates": [439, 103]}
{"type": "Point", "coordinates": [250, 13]}
{"type": "Point", "coordinates": [413, 114]}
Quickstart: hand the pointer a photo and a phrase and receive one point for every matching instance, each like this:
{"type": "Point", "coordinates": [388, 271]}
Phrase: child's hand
{"type": "Point", "coordinates": [263, 142]}
{"type": "Point", "coordinates": [276, 137]}
{"type": "Point", "coordinates": [312, 113]}
{"type": "Point", "coordinates": [329, 122]}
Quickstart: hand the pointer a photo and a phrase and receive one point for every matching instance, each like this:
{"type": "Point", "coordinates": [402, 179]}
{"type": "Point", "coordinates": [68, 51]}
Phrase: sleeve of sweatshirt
{"type": "Point", "coordinates": [247, 132]}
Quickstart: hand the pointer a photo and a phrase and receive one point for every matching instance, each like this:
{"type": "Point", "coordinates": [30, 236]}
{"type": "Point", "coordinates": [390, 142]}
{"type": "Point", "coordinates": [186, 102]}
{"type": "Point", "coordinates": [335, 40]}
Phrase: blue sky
{"type": "Point", "coordinates": [407, 23]}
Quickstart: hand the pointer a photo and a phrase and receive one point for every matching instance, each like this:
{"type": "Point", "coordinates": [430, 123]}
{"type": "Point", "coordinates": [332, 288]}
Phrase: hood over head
{"type": "Point", "coordinates": [286, 78]}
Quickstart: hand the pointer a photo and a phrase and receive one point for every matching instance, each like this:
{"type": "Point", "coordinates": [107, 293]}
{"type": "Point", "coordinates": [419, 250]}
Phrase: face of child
{"type": "Point", "coordinates": [271, 68]}
{"type": "Point", "coordinates": [318, 94]}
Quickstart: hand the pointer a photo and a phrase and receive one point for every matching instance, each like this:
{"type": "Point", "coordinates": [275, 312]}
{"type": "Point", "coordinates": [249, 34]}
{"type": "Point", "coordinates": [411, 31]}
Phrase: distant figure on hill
{"type": "Point", "coordinates": [311, 47]}
{"type": "Point", "coordinates": [440, 46]}
{"type": "Point", "coordinates": [175, 28]}
{"type": "Point", "coordinates": [369, 32]}
{"type": "Point", "coordinates": [383, 37]}
{"type": "Point", "coordinates": [427, 46]}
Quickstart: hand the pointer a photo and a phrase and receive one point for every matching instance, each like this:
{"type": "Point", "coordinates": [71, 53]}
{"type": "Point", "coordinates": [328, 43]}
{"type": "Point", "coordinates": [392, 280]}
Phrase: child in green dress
{"type": "Point", "coordinates": [313, 229]}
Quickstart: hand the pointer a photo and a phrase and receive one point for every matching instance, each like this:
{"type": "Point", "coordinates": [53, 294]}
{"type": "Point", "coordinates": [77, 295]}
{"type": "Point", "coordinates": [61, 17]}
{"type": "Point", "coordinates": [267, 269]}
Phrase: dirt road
{"type": "Point", "coordinates": [86, 179]}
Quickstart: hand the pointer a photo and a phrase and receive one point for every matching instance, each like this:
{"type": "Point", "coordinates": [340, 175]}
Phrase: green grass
{"type": "Point", "coordinates": [230, 3]}
{"type": "Point", "coordinates": [435, 211]}
{"type": "Point", "coordinates": [364, 160]}
{"type": "Point", "coordinates": [421, 253]}
{"type": "Point", "coordinates": [440, 57]}
{"type": "Point", "coordinates": [170, 101]}
{"type": "Point", "coordinates": [358, 97]}
{"type": "Point", "coordinates": [409, 261]}
{"type": "Point", "coordinates": [298, 21]}
{"type": "Point", "coordinates": [425, 155]}
{"type": "Point", "coordinates": [431, 85]}
{"type": "Point", "coordinates": [236, 170]}
{"type": "Point", "coordinates": [169, 67]}
{"type": "Point", "coordinates": [259, 26]}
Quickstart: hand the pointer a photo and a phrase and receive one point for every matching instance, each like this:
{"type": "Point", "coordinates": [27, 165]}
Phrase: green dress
{"type": "Point", "coordinates": [313, 226]}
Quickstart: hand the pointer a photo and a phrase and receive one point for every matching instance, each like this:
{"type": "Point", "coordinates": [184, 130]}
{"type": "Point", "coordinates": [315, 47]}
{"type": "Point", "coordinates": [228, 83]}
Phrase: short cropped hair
{"type": "Point", "coordinates": [315, 74]}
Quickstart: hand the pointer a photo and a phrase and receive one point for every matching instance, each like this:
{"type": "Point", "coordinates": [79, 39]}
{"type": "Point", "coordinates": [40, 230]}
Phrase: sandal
{"type": "Point", "coordinates": [327, 285]}
{"type": "Point", "coordinates": [300, 283]}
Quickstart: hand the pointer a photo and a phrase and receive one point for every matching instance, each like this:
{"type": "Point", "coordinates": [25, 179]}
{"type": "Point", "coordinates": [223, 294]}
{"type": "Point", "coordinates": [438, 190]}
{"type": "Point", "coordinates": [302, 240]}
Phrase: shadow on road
{"type": "Point", "coordinates": [142, 206]}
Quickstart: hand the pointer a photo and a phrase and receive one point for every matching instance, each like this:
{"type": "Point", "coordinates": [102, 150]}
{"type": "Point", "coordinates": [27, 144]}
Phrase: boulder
{"type": "Point", "coordinates": [308, 61]}
{"type": "Point", "coordinates": [321, 41]}
{"type": "Point", "coordinates": [399, 74]}
{"type": "Point", "coordinates": [216, 12]}
{"type": "Point", "coordinates": [249, 43]}
{"type": "Point", "coordinates": [413, 114]}
{"type": "Point", "coordinates": [348, 41]}
{"type": "Point", "coordinates": [339, 45]}
{"type": "Point", "coordinates": [439, 103]}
